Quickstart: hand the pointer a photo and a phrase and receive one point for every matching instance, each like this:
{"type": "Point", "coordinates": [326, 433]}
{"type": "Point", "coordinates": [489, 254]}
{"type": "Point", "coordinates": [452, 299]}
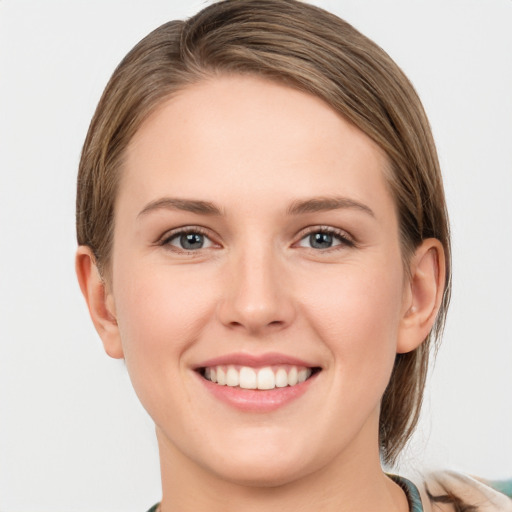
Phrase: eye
{"type": "Point", "coordinates": [325, 238]}
{"type": "Point", "coordinates": [187, 240]}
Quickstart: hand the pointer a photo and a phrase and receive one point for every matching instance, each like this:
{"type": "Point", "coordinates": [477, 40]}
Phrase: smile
{"type": "Point", "coordinates": [257, 383]}
{"type": "Point", "coordinates": [266, 378]}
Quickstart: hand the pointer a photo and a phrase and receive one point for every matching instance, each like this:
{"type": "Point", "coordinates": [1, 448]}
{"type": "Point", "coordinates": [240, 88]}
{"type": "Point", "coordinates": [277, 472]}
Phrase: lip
{"type": "Point", "coordinates": [255, 360]}
{"type": "Point", "coordinates": [255, 400]}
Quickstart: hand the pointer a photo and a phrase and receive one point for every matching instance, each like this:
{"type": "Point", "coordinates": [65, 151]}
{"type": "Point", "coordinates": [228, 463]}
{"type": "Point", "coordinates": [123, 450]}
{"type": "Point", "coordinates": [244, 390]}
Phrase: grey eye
{"type": "Point", "coordinates": [189, 241]}
{"type": "Point", "coordinates": [321, 240]}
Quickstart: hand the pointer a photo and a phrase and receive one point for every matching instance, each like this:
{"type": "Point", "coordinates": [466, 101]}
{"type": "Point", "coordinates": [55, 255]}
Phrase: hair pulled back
{"type": "Point", "coordinates": [311, 50]}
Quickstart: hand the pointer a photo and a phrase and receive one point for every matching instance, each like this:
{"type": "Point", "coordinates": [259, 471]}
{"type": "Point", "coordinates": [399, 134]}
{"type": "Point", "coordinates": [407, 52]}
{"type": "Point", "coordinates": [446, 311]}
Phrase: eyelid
{"type": "Point", "coordinates": [346, 239]}
{"type": "Point", "coordinates": [164, 239]}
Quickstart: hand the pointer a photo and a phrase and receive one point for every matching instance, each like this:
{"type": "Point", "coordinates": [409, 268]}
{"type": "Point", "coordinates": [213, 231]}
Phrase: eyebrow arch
{"type": "Point", "coordinates": [187, 205]}
{"type": "Point", "coordinates": [321, 204]}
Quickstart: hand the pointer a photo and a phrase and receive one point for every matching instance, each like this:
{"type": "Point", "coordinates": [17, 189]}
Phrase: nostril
{"type": "Point", "coordinates": [257, 326]}
{"type": "Point", "coordinates": [254, 312]}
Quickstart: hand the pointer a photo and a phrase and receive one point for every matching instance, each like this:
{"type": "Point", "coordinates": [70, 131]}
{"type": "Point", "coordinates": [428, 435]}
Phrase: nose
{"type": "Point", "coordinates": [257, 295]}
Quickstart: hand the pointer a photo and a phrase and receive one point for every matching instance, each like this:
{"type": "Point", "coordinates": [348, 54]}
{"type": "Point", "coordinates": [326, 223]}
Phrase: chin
{"type": "Point", "coordinates": [264, 475]}
{"type": "Point", "coordinates": [265, 464]}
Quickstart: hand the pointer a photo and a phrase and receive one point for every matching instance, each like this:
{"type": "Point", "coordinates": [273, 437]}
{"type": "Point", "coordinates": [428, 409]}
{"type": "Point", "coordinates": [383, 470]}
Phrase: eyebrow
{"type": "Point", "coordinates": [316, 204]}
{"type": "Point", "coordinates": [187, 205]}
{"type": "Point", "coordinates": [322, 204]}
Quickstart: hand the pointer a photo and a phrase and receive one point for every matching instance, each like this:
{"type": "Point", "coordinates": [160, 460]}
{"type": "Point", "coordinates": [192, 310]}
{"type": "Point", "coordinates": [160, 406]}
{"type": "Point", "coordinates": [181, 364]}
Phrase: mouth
{"type": "Point", "coordinates": [258, 378]}
{"type": "Point", "coordinates": [257, 383]}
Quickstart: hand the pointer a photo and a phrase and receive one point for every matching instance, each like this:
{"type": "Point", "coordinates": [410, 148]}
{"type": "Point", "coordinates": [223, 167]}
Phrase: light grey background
{"type": "Point", "coordinates": [72, 434]}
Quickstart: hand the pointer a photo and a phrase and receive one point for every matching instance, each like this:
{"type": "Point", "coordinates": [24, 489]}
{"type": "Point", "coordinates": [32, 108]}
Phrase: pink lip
{"type": "Point", "coordinates": [255, 361]}
{"type": "Point", "coordinates": [254, 400]}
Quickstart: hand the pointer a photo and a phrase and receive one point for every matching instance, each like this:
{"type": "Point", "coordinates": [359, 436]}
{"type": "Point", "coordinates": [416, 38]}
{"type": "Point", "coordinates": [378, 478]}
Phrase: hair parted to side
{"type": "Point", "coordinates": [309, 49]}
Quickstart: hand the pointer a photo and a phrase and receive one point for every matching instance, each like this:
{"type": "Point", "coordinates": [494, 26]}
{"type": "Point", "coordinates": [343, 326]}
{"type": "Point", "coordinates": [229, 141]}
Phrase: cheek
{"type": "Point", "coordinates": [160, 314]}
{"type": "Point", "coordinates": [356, 311]}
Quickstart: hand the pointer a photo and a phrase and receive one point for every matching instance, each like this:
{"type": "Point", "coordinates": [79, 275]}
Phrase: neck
{"type": "Point", "coordinates": [349, 483]}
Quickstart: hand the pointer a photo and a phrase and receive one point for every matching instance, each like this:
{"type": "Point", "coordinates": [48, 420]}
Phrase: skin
{"type": "Point", "coordinates": [256, 149]}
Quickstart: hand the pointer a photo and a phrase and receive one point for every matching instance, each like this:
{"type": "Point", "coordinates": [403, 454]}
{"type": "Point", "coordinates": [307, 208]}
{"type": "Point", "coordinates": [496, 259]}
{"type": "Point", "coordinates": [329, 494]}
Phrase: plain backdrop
{"type": "Point", "coordinates": [73, 436]}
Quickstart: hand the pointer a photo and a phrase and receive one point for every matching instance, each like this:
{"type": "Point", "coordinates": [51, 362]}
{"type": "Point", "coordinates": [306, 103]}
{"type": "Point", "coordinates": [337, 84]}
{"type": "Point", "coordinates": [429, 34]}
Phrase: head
{"type": "Point", "coordinates": [307, 49]}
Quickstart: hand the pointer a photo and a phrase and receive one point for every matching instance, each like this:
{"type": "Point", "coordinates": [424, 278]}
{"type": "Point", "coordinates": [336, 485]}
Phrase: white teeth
{"type": "Point", "coordinates": [292, 376]}
{"type": "Point", "coordinates": [232, 377]}
{"type": "Point", "coordinates": [266, 379]}
{"type": "Point", "coordinates": [248, 378]}
{"type": "Point", "coordinates": [252, 378]}
{"type": "Point", "coordinates": [302, 375]}
{"type": "Point", "coordinates": [221, 376]}
{"type": "Point", "coordinates": [281, 378]}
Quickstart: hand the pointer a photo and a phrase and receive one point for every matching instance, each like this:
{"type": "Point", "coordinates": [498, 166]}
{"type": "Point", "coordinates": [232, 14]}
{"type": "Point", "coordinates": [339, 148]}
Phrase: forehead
{"type": "Point", "coordinates": [259, 137]}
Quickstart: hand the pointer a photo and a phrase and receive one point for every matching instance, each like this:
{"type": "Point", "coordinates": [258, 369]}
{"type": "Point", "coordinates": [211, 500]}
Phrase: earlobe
{"type": "Point", "coordinates": [423, 295]}
{"type": "Point", "coordinates": [100, 301]}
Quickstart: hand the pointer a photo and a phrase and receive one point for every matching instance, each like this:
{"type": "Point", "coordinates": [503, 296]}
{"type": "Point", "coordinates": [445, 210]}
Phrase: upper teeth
{"type": "Point", "coordinates": [257, 378]}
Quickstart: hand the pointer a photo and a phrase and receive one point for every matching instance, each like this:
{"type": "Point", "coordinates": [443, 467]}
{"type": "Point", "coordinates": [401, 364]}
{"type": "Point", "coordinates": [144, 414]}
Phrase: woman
{"type": "Point", "coordinates": [264, 240]}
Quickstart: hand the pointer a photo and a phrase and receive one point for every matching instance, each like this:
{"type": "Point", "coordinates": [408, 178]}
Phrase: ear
{"type": "Point", "coordinates": [423, 294]}
{"type": "Point", "coordinates": [100, 301]}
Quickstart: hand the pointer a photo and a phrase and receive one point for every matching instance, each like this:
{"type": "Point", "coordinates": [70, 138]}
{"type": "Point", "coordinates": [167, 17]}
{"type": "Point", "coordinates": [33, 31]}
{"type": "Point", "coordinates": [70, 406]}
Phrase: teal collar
{"type": "Point", "coordinates": [411, 491]}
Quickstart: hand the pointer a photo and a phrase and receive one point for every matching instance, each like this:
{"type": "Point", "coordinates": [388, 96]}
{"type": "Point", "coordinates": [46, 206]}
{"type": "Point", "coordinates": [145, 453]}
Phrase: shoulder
{"type": "Point", "coordinates": [451, 491]}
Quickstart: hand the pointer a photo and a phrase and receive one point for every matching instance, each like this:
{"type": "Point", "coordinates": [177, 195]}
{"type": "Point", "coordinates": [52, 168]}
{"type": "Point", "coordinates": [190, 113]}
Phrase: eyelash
{"type": "Point", "coordinates": [178, 232]}
{"type": "Point", "coordinates": [341, 236]}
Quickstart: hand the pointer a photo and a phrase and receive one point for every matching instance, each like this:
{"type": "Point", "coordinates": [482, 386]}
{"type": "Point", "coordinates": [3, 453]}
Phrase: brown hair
{"type": "Point", "coordinates": [308, 49]}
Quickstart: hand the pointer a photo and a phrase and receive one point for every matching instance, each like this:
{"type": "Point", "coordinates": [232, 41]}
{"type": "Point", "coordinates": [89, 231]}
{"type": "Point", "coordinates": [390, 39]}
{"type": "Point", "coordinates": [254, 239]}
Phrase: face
{"type": "Point", "coordinates": [256, 245]}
